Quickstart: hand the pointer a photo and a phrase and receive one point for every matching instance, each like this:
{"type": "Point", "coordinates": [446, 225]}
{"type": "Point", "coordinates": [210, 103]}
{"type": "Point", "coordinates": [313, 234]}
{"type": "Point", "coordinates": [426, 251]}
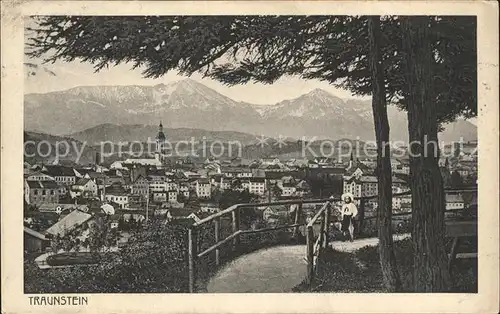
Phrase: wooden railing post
{"type": "Point", "coordinates": [236, 227]}
{"type": "Point", "coordinates": [327, 225]}
{"type": "Point", "coordinates": [192, 251]}
{"type": "Point", "coordinates": [322, 233]}
{"type": "Point", "coordinates": [310, 254]}
{"type": "Point", "coordinates": [298, 214]}
{"type": "Point", "coordinates": [217, 239]}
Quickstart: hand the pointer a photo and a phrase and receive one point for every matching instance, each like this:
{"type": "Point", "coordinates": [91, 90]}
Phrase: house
{"type": "Point", "coordinates": [34, 241]}
{"type": "Point", "coordinates": [39, 176]}
{"type": "Point", "coordinates": [184, 189]}
{"type": "Point", "coordinates": [203, 188]}
{"type": "Point", "coordinates": [110, 180]}
{"type": "Point", "coordinates": [208, 207]}
{"type": "Point", "coordinates": [69, 223]}
{"type": "Point", "coordinates": [170, 186]}
{"type": "Point", "coordinates": [255, 185]}
{"type": "Point", "coordinates": [172, 196]}
{"type": "Point", "coordinates": [114, 221]}
{"type": "Point", "coordinates": [62, 208]}
{"type": "Point", "coordinates": [356, 169]}
{"type": "Point", "coordinates": [160, 197]}
{"type": "Point", "coordinates": [61, 174]}
{"type": "Point", "coordinates": [85, 186]}
{"type": "Point", "coordinates": [302, 188]}
{"type": "Point", "coordinates": [140, 186]}
{"type": "Point", "coordinates": [117, 194]}
{"type": "Point", "coordinates": [269, 212]}
{"type": "Point", "coordinates": [273, 215]}
{"type": "Point", "coordinates": [367, 185]}
{"type": "Point", "coordinates": [181, 213]}
{"type": "Point", "coordinates": [114, 173]}
{"type": "Point", "coordinates": [454, 201]}
{"type": "Point", "coordinates": [38, 192]}
{"type": "Point", "coordinates": [288, 189]}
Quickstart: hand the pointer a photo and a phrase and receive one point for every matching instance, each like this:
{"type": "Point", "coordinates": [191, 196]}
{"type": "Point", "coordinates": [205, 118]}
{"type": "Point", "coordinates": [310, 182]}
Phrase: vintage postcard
{"type": "Point", "coordinates": [250, 157]}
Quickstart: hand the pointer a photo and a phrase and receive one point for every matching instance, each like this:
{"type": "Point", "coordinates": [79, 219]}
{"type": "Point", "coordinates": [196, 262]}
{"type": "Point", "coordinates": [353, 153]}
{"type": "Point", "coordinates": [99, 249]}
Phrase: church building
{"type": "Point", "coordinates": [160, 154]}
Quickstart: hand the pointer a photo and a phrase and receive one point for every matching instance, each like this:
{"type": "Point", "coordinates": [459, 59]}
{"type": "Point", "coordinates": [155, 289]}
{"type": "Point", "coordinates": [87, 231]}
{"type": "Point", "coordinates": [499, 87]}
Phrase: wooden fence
{"type": "Point", "coordinates": [314, 246]}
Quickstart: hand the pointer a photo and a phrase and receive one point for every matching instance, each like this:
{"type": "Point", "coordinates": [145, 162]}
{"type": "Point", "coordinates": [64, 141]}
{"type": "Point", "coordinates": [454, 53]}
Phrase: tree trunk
{"type": "Point", "coordinates": [390, 273]}
{"type": "Point", "coordinates": [428, 234]}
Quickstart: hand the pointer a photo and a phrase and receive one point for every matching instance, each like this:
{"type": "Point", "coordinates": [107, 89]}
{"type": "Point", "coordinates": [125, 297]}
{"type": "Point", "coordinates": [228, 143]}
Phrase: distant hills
{"type": "Point", "coordinates": [95, 113]}
{"type": "Point", "coordinates": [43, 147]}
{"type": "Point", "coordinates": [141, 133]}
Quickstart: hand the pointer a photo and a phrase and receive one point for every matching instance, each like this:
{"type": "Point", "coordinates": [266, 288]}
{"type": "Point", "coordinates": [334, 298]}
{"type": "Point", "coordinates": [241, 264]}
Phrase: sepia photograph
{"type": "Point", "coordinates": [293, 154]}
{"type": "Point", "coordinates": [176, 187]}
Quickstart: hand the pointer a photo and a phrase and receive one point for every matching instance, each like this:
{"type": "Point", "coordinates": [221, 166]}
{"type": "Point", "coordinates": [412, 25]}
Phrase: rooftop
{"type": "Point", "coordinates": [42, 185]}
{"type": "Point", "coordinates": [68, 223]}
{"type": "Point", "coordinates": [59, 171]}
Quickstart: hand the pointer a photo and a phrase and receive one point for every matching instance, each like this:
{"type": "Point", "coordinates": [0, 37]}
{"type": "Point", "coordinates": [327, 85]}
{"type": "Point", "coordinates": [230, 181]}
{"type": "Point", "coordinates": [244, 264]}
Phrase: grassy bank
{"type": "Point", "coordinates": [360, 271]}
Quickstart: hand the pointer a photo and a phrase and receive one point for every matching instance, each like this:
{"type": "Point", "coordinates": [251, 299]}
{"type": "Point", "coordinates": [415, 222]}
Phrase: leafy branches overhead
{"type": "Point", "coordinates": [240, 49]}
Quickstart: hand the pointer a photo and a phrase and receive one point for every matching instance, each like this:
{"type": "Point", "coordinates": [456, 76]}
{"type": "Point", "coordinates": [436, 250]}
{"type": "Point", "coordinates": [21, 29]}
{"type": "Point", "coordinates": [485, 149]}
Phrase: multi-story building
{"type": "Point", "coordinates": [140, 186]}
{"type": "Point", "coordinates": [288, 188]}
{"type": "Point", "coordinates": [85, 187]}
{"type": "Point", "coordinates": [184, 189]}
{"type": "Point", "coordinates": [159, 185]}
{"type": "Point", "coordinates": [367, 185]}
{"type": "Point", "coordinates": [62, 175]}
{"type": "Point", "coordinates": [38, 192]}
{"type": "Point", "coordinates": [255, 185]}
{"type": "Point", "coordinates": [203, 188]}
{"type": "Point", "coordinates": [118, 195]}
{"type": "Point", "coordinates": [454, 201]}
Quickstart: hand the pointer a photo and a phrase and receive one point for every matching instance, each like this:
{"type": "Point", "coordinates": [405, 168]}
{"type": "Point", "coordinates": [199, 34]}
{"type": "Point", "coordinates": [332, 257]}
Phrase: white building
{"type": "Point", "coordinates": [118, 198]}
{"type": "Point", "coordinates": [203, 188]}
{"type": "Point", "coordinates": [454, 201]}
{"type": "Point", "coordinates": [86, 187]}
{"type": "Point", "coordinates": [288, 188]}
{"type": "Point", "coordinates": [255, 185]}
{"type": "Point", "coordinates": [158, 185]}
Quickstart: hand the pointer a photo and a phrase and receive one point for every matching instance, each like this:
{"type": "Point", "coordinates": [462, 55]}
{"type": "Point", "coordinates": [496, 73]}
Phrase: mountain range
{"type": "Point", "coordinates": [132, 112]}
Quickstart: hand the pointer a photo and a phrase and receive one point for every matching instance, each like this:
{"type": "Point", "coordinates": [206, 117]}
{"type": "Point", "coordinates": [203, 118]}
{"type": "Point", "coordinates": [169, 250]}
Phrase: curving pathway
{"type": "Point", "coordinates": [276, 269]}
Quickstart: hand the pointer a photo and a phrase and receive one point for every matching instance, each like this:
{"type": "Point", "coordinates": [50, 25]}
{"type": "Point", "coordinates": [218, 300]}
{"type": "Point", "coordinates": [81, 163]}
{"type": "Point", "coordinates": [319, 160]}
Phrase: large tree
{"type": "Point", "coordinates": [379, 107]}
{"type": "Point", "coordinates": [428, 200]}
{"type": "Point", "coordinates": [239, 49]}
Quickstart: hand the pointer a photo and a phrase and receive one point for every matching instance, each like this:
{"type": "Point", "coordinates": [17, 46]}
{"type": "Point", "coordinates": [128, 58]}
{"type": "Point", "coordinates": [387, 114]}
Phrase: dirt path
{"type": "Point", "coordinates": [276, 269]}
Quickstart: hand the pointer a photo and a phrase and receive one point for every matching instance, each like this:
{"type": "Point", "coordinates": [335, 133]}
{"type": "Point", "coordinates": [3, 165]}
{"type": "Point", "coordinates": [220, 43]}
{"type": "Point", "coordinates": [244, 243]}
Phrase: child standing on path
{"type": "Point", "coordinates": [349, 211]}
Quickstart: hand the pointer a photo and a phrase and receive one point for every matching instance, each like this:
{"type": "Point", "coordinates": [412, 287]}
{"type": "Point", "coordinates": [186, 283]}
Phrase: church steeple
{"type": "Point", "coordinates": [160, 141]}
{"type": "Point", "coordinates": [161, 135]}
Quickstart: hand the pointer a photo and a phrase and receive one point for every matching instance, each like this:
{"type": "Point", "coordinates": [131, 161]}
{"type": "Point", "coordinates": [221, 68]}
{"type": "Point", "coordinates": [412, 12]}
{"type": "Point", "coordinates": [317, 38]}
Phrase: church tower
{"type": "Point", "coordinates": [160, 141]}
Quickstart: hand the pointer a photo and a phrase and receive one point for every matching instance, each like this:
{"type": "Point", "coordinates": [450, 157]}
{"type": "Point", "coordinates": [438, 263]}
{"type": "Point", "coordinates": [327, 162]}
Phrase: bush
{"type": "Point", "coordinates": [154, 261]}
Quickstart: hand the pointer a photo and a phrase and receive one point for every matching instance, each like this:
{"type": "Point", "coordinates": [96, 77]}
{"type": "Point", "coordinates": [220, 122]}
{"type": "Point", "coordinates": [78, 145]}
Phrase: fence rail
{"type": "Point", "coordinates": [234, 237]}
{"type": "Point", "coordinates": [314, 249]}
{"type": "Point", "coordinates": [314, 246]}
